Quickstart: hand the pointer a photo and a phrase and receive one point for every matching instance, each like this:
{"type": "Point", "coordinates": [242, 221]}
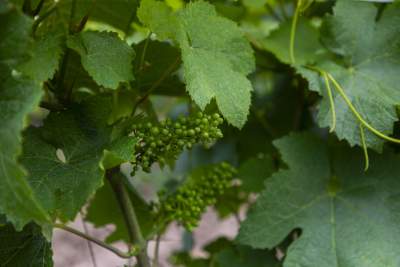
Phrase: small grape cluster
{"type": "Point", "coordinates": [166, 140]}
{"type": "Point", "coordinates": [191, 199]}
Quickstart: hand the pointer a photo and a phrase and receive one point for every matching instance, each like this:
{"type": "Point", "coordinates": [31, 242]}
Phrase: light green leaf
{"type": "Point", "coordinates": [216, 58]}
{"type": "Point", "coordinates": [158, 17]}
{"type": "Point", "coordinates": [46, 53]}
{"type": "Point", "coordinates": [368, 72]}
{"type": "Point", "coordinates": [120, 151]}
{"type": "Point", "coordinates": [105, 57]}
{"type": "Point", "coordinates": [63, 157]}
{"type": "Point", "coordinates": [27, 248]}
{"type": "Point", "coordinates": [345, 214]}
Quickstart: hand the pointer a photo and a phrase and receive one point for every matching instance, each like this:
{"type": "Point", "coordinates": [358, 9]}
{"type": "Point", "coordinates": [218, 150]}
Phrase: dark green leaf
{"type": "Point", "coordinates": [63, 157]}
{"type": "Point", "coordinates": [27, 248]}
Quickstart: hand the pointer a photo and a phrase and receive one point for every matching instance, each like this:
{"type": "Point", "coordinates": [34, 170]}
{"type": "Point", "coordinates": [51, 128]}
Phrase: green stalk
{"type": "Point", "coordinates": [94, 240]}
{"type": "Point", "coordinates": [117, 182]}
{"type": "Point", "coordinates": [293, 32]}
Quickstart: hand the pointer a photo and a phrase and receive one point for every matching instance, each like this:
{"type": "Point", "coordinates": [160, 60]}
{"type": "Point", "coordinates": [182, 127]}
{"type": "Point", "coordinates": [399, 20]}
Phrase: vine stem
{"type": "Point", "coordinates": [95, 240]}
{"type": "Point", "coordinates": [157, 251]}
{"type": "Point", "coordinates": [90, 245]}
{"type": "Point", "coordinates": [293, 32]}
{"type": "Point", "coordinates": [117, 183]}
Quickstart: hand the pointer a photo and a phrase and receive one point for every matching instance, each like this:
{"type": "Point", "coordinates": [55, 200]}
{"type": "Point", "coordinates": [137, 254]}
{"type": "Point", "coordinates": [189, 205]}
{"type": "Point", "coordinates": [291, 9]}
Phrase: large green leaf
{"type": "Point", "coordinates": [18, 97]}
{"type": "Point", "coordinates": [216, 56]}
{"type": "Point", "coordinates": [27, 248]}
{"type": "Point", "coordinates": [348, 217]}
{"type": "Point", "coordinates": [106, 57]}
{"type": "Point", "coordinates": [368, 72]}
{"type": "Point", "coordinates": [63, 157]}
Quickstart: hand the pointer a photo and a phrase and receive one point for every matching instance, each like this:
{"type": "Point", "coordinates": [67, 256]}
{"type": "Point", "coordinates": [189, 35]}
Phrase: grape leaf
{"type": "Point", "coordinates": [216, 60]}
{"type": "Point", "coordinates": [307, 46]}
{"type": "Point", "coordinates": [117, 13]}
{"type": "Point", "coordinates": [156, 65]}
{"type": "Point", "coordinates": [121, 150]}
{"type": "Point", "coordinates": [106, 58]}
{"type": "Point", "coordinates": [63, 157]}
{"type": "Point", "coordinates": [27, 248]}
{"type": "Point", "coordinates": [104, 210]}
{"type": "Point", "coordinates": [254, 171]}
{"type": "Point", "coordinates": [345, 214]}
{"type": "Point", "coordinates": [216, 57]}
{"type": "Point", "coordinates": [18, 97]}
{"type": "Point", "coordinates": [158, 17]}
{"type": "Point", "coordinates": [368, 72]}
{"type": "Point", "coordinates": [15, 35]}
{"type": "Point", "coordinates": [244, 256]}
{"type": "Point", "coordinates": [46, 53]}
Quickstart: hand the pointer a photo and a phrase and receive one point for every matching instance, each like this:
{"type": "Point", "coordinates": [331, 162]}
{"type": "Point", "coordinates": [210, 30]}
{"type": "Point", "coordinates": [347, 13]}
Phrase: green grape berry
{"type": "Point", "coordinates": [188, 203]}
{"type": "Point", "coordinates": [167, 139]}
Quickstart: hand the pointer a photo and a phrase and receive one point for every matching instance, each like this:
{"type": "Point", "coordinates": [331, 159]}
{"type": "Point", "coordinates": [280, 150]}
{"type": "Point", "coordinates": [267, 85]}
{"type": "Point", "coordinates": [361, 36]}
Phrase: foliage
{"type": "Point", "coordinates": [288, 108]}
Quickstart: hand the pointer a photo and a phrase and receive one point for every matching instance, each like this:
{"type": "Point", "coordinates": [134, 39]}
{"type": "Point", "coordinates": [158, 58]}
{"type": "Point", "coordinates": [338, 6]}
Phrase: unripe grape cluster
{"type": "Point", "coordinates": [165, 140]}
{"type": "Point", "coordinates": [191, 199]}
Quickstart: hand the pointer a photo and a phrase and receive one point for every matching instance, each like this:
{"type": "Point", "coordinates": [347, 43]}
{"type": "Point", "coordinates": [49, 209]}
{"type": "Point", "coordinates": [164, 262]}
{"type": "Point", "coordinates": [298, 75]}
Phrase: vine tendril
{"type": "Point", "coordinates": [364, 146]}
{"type": "Point", "coordinates": [343, 94]}
{"type": "Point", "coordinates": [331, 102]}
{"type": "Point", "coordinates": [293, 32]}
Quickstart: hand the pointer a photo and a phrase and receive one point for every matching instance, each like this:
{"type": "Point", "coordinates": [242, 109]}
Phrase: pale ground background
{"type": "Point", "coordinates": [72, 251]}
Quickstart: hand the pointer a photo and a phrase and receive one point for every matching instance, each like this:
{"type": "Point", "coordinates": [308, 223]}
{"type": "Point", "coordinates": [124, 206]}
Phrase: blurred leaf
{"type": "Point", "coordinates": [27, 248]}
{"type": "Point", "coordinates": [307, 47]}
{"type": "Point", "coordinates": [18, 97]}
{"type": "Point", "coordinates": [244, 256]}
{"type": "Point", "coordinates": [254, 171]}
{"type": "Point", "coordinates": [46, 53]}
{"type": "Point", "coordinates": [156, 64]}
